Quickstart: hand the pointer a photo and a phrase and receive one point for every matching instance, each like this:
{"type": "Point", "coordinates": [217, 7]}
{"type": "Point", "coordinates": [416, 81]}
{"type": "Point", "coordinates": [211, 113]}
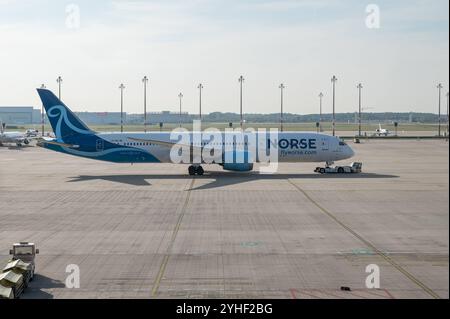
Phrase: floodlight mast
{"type": "Point", "coordinates": [241, 81]}
{"type": "Point", "coordinates": [360, 87]}
{"type": "Point", "coordinates": [333, 81]}
{"type": "Point", "coordinates": [439, 87]}
{"type": "Point", "coordinates": [200, 88]}
{"type": "Point", "coordinates": [121, 87]}
{"type": "Point", "coordinates": [145, 81]}
{"type": "Point", "coordinates": [180, 96]}
{"type": "Point", "coordinates": [281, 87]}
{"type": "Point", "coordinates": [59, 80]}
{"type": "Point", "coordinates": [321, 95]}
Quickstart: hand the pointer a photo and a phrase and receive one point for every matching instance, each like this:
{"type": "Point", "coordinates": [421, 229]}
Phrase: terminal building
{"type": "Point", "coordinates": [168, 117]}
{"type": "Point", "coordinates": [113, 118]}
{"type": "Point", "coordinates": [13, 115]}
{"type": "Point", "coordinates": [22, 115]}
{"type": "Point", "coordinates": [160, 117]}
{"type": "Point", "coordinates": [101, 118]}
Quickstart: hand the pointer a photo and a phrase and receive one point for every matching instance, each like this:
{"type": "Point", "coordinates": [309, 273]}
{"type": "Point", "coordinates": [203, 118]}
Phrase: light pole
{"type": "Point", "coordinates": [334, 80]}
{"type": "Point", "coordinates": [59, 81]}
{"type": "Point", "coordinates": [42, 114]}
{"type": "Point", "coordinates": [363, 110]}
{"type": "Point", "coordinates": [180, 97]}
{"type": "Point", "coordinates": [281, 87]}
{"type": "Point", "coordinates": [360, 87]}
{"type": "Point", "coordinates": [121, 87]}
{"type": "Point", "coordinates": [320, 110]}
{"type": "Point", "coordinates": [241, 81]}
{"type": "Point", "coordinates": [439, 86]}
{"type": "Point", "coordinates": [448, 132]}
{"type": "Point", "coordinates": [200, 88]}
{"type": "Point", "coordinates": [145, 81]}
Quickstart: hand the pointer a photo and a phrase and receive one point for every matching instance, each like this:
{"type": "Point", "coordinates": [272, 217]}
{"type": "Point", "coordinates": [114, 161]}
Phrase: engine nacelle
{"type": "Point", "coordinates": [237, 161]}
{"type": "Point", "coordinates": [238, 167]}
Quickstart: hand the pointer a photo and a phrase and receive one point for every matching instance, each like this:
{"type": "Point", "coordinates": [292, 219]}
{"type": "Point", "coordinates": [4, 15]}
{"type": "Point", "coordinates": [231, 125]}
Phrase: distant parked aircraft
{"type": "Point", "coordinates": [32, 133]}
{"type": "Point", "coordinates": [382, 131]}
{"type": "Point", "coordinates": [12, 137]}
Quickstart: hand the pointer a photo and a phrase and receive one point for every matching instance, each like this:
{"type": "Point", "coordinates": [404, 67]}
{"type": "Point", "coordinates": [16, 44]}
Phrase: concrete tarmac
{"type": "Point", "coordinates": [152, 231]}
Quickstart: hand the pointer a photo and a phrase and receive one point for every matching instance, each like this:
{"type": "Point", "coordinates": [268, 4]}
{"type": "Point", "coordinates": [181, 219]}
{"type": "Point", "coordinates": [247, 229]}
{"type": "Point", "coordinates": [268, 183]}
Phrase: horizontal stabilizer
{"type": "Point", "coordinates": [42, 142]}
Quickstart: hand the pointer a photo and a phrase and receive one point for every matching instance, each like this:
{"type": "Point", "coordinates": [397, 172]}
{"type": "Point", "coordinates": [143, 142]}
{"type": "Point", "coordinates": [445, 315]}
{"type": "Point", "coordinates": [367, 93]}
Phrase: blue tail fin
{"type": "Point", "coordinates": [65, 124]}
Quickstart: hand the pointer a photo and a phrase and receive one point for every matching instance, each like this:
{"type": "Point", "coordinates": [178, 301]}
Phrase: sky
{"type": "Point", "coordinates": [97, 45]}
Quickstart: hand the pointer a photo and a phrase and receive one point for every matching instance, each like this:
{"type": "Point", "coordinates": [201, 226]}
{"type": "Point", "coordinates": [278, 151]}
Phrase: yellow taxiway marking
{"type": "Point", "coordinates": [163, 266]}
{"type": "Point", "coordinates": [368, 244]}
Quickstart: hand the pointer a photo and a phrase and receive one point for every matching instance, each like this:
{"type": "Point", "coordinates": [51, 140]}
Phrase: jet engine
{"type": "Point", "coordinates": [237, 161]}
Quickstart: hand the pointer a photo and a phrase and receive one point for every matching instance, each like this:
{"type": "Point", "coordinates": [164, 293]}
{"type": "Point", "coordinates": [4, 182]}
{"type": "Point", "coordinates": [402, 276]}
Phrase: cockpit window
{"type": "Point", "coordinates": [23, 250]}
{"type": "Point", "coordinates": [342, 143]}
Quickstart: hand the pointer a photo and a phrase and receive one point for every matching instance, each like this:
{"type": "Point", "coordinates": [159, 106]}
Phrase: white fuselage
{"type": "Point", "coordinates": [12, 137]}
{"type": "Point", "coordinates": [291, 146]}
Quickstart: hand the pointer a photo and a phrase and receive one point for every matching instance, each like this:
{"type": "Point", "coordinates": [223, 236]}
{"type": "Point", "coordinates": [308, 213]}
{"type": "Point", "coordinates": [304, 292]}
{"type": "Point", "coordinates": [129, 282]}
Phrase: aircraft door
{"type": "Point", "coordinates": [99, 145]}
{"type": "Point", "coordinates": [324, 144]}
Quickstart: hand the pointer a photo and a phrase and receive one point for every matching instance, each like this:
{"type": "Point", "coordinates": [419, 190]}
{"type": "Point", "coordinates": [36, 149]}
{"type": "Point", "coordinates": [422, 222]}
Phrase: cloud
{"type": "Point", "coordinates": [283, 5]}
{"type": "Point", "coordinates": [180, 43]}
{"type": "Point", "coordinates": [7, 2]}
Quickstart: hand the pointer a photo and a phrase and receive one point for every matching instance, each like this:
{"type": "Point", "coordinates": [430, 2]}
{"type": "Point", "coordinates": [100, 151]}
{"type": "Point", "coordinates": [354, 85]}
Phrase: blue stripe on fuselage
{"type": "Point", "coordinates": [110, 152]}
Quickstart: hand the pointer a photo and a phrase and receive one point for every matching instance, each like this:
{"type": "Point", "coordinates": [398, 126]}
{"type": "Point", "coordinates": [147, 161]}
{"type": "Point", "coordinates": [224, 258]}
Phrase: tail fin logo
{"type": "Point", "coordinates": [64, 127]}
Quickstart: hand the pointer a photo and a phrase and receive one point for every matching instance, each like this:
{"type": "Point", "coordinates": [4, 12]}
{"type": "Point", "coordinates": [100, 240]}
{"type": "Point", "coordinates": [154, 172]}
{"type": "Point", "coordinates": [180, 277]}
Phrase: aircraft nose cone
{"type": "Point", "coordinates": [350, 152]}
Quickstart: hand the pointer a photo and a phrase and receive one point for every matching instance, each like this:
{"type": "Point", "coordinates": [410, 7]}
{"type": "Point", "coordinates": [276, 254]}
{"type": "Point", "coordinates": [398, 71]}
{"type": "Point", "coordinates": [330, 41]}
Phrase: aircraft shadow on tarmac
{"type": "Point", "coordinates": [221, 179]}
{"type": "Point", "coordinates": [14, 148]}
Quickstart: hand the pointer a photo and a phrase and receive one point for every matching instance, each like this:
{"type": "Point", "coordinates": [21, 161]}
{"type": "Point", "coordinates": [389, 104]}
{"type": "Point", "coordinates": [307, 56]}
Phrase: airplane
{"type": "Point", "coordinates": [382, 131]}
{"type": "Point", "coordinates": [32, 133]}
{"type": "Point", "coordinates": [12, 137]}
{"type": "Point", "coordinates": [74, 137]}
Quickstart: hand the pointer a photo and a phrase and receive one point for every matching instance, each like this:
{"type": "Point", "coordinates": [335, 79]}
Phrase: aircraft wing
{"type": "Point", "coordinates": [166, 144]}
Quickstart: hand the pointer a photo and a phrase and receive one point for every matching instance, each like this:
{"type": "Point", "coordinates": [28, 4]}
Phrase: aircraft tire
{"type": "Point", "coordinates": [199, 170]}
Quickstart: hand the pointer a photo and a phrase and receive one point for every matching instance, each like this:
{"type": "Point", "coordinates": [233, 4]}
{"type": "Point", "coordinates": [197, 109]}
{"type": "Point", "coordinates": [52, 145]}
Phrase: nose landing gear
{"type": "Point", "coordinates": [196, 170]}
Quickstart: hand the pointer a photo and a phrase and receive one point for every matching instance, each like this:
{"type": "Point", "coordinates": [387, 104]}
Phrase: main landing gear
{"type": "Point", "coordinates": [196, 170]}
